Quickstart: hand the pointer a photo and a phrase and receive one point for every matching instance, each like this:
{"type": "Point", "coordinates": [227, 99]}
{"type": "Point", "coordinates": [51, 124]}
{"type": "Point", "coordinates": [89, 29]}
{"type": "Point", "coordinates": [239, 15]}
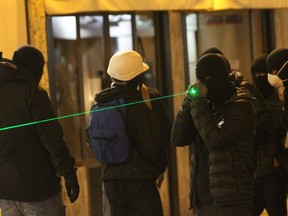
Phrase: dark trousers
{"type": "Point", "coordinates": [208, 209]}
{"type": "Point", "coordinates": [133, 198]}
{"type": "Point", "coordinates": [270, 194]}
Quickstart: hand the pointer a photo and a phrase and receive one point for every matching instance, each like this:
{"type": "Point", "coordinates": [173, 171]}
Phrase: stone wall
{"type": "Point", "coordinates": [36, 20]}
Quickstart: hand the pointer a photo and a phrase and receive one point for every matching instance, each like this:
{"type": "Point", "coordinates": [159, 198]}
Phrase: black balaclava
{"type": "Point", "coordinates": [30, 59]}
{"type": "Point", "coordinates": [259, 75]}
{"type": "Point", "coordinates": [276, 62]}
{"type": "Point", "coordinates": [212, 71]}
{"type": "Point", "coordinates": [216, 51]}
{"type": "Point", "coordinates": [277, 65]}
{"type": "Point", "coordinates": [276, 59]}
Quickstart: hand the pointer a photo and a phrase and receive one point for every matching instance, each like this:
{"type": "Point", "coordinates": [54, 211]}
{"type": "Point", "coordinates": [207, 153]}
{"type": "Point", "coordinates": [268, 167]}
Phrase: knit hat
{"type": "Point", "coordinates": [216, 51]}
{"type": "Point", "coordinates": [212, 65]}
{"type": "Point", "coordinates": [276, 59]}
{"type": "Point", "coordinates": [277, 64]}
{"type": "Point", "coordinates": [29, 58]}
{"type": "Point", "coordinates": [211, 69]}
{"type": "Point", "coordinates": [125, 65]}
{"type": "Point", "coordinates": [212, 50]}
{"type": "Point", "coordinates": [259, 64]}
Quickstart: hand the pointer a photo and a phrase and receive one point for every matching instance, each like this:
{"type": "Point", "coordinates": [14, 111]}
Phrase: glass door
{"type": "Point", "coordinates": [82, 47]}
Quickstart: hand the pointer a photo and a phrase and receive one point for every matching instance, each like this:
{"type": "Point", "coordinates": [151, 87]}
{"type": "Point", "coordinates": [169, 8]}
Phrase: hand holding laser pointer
{"type": "Point", "coordinates": [196, 90]}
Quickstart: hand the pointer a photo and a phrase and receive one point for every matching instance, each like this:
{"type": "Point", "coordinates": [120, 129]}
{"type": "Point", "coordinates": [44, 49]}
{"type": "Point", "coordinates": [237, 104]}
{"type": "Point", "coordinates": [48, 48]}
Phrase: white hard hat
{"type": "Point", "coordinates": [125, 65]}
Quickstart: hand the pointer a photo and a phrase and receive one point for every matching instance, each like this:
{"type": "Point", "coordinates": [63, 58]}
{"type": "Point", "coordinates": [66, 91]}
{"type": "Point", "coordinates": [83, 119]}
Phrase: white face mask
{"type": "Point", "coordinates": [279, 76]}
{"type": "Point", "coordinates": [277, 83]}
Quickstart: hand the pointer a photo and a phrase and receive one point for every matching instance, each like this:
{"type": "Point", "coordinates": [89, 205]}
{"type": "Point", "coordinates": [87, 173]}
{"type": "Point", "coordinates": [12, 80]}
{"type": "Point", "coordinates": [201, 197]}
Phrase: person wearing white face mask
{"type": "Point", "coordinates": [271, 176]}
{"type": "Point", "coordinates": [277, 65]}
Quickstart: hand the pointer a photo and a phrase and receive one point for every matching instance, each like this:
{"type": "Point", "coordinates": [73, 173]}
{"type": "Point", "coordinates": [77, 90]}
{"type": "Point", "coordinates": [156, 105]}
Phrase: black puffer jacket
{"type": "Point", "coordinates": [30, 155]}
{"type": "Point", "coordinates": [222, 148]}
{"type": "Point", "coordinates": [149, 132]}
{"type": "Point", "coordinates": [273, 146]}
{"type": "Point", "coordinates": [270, 130]}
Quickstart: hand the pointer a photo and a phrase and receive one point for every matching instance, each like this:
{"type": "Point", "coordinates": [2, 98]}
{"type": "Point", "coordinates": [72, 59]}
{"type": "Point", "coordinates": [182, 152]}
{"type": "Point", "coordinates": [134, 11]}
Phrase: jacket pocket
{"type": "Point", "coordinates": [8, 171]}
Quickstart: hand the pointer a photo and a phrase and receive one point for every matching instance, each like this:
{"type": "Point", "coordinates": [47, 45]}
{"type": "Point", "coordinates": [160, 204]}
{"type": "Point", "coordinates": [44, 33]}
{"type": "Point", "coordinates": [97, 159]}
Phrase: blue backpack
{"type": "Point", "coordinates": [107, 132]}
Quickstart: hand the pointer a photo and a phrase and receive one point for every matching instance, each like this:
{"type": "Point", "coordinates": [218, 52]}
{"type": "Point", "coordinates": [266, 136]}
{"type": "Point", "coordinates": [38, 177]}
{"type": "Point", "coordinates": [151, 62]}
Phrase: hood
{"type": "Point", "coordinates": [10, 72]}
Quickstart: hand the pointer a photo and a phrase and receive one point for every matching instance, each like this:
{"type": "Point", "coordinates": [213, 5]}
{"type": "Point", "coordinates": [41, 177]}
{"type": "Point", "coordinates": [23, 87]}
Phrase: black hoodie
{"type": "Point", "coordinates": [30, 155]}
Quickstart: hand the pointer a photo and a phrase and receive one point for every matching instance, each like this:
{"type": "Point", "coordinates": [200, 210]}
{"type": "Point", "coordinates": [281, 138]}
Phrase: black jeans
{"type": "Point", "coordinates": [270, 193]}
{"type": "Point", "coordinates": [208, 209]}
{"type": "Point", "coordinates": [133, 198]}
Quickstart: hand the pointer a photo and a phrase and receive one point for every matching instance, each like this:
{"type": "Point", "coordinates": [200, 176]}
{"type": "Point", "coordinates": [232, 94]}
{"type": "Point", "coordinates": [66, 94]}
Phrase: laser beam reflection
{"type": "Point", "coordinates": [86, 112]}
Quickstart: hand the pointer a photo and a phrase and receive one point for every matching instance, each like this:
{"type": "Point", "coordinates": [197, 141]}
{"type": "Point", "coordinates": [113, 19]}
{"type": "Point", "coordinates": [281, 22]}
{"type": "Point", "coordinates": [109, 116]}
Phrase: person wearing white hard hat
{"type": "Point", "coordinates": [131, 187]}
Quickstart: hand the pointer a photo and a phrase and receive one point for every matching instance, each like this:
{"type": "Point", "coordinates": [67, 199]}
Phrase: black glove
{"type": "Point", "coordinates": [196, 90]}
{"type": "Point", "coordinates": [72, 186]}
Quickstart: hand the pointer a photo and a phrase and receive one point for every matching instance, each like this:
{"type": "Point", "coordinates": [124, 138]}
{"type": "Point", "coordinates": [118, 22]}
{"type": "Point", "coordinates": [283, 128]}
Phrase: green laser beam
{"type": "Point", "coordinates": [86, 112]}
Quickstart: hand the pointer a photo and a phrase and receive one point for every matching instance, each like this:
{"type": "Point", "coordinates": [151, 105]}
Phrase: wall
{"type": "Point", "coordinates": [229, 31]}
{"type": "Point", "coordinates": [36, 19]}
{"type": "Point", "coordinates": [13, 26]}
{"type": "Point", "coordinates": [281, 28]}
{"type": "Point", "coordinates": [178, 79]}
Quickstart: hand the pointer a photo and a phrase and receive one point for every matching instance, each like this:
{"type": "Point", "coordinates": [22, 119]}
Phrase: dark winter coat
{"type": "Point", "coordinates": [30, 155]}
{"type": "Point", "coordinates": [274, 145]}
{"type": "Point", "coordinates": [221, 139]}
{"type": "Point", "coordinates": [270, 131]}
{"type": "Point", "coordinates": [149, 133]}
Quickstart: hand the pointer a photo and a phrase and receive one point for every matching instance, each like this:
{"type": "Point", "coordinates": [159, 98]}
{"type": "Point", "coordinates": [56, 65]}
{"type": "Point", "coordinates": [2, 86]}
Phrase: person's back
{"type": "Point", "coordinates": [143, 136]}
{"type": "Point", "coordinates": [130, 186]}
{"type": "Point", "coordinates": [33, 155]}
{"type": "Point", "coordinates": [25, 162]}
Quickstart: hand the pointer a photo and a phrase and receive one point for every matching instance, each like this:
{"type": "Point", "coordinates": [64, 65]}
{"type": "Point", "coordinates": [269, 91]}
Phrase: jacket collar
{"type": "Point", "coordinates": [116, 92]}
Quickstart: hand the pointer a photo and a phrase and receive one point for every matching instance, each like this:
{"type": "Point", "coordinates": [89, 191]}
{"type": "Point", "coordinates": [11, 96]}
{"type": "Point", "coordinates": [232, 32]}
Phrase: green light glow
{"type": "Point", "coordinates": [193, 91]}
{"type": "Point", "coordinates": [84, 113]}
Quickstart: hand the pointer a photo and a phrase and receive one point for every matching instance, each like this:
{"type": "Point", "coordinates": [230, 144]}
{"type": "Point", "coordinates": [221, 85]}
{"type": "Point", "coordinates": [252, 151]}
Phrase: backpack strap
{"type": "Point", "coordinates": [120, 111]}
{"type": "Point", "coordinates": [146, 96]}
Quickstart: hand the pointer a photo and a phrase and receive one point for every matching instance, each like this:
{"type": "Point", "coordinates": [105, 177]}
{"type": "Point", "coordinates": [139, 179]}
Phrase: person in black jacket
{"type": "Point", "coordinates": [218, 121]}
{"type": "Point", "coordinates": [131, 186]}
{"type": "Point", "coordinates": [270, 193]}
{"type": "Point", "coordinates": [33, 155]}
